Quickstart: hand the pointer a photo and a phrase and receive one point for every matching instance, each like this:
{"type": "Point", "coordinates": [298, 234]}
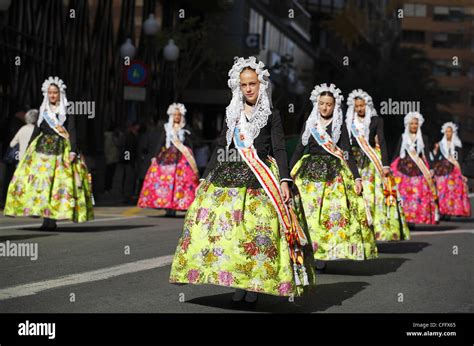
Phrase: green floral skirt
{"type": "Point", "coordinates": [388, 220]}
{"type": "Point", "coordinates": [232, 237]}
{"type": "Point", "coordinates": [333, 214]}
{"type": "Point", "coordinates": [46, 184]}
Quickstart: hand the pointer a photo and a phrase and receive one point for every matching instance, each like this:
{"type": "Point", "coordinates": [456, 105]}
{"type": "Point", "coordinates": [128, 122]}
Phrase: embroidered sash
{"type": "Point", "coordinates": [53, 123]}
{"type": "Point", "coordinates": [427, 175]}
{"type": "Point", "coordinates": [327, 143]}
{"type": "Point", "coordinates": [187, 154]}
{"type": "Point", "coordinates": [454, 162]}
{"type": "Point", "coordinates": [294, 234]}
{"type": "Point", "coordinates": [425, 171]}
{"type": "Point", "coordinates": [368, 150]}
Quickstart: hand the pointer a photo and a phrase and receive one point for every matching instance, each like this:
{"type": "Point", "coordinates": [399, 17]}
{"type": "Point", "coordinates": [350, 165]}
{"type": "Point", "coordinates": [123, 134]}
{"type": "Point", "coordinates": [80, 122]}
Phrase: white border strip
{"type": "Point", "coordinates": [91, 276]}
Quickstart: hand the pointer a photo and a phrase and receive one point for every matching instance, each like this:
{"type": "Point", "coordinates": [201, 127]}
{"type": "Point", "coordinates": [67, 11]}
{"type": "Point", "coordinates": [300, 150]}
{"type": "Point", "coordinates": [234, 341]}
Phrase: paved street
{"type": "Point", "coordinates": [120, 262]}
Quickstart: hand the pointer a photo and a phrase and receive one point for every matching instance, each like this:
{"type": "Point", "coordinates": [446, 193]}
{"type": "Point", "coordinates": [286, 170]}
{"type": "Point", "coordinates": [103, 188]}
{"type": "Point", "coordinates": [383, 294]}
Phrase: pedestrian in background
{"type": "Point", "coordinates": [23, 136]}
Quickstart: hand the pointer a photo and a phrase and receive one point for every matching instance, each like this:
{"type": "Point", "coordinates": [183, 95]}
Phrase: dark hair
{"type": "Point", "coordinates": [53, 84]}
{"type": "Point", "coordinates": [247, 68]}
{"type": "Point", "coordinates": [327, 93]}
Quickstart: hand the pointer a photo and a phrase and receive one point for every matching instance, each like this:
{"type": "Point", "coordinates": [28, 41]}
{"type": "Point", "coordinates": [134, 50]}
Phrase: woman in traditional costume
{"type": "Point", "coordinates": [51, 180]}
{"type": "Point", "coordinates": [451, 184]}
{"type": "Point", "coordinates": [239, 232]}
{"type": "Point", "coordinates": [173, 176]}
{"type": "Point", "coordinates": [380, 192]}
{"type": "Point", "coordinates": [329, 184]}
{"type": "Point", "coordinates": [412, 173]}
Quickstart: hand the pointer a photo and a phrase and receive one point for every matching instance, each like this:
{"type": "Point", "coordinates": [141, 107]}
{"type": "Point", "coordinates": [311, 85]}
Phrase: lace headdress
{"type": "Point", "coordinates": [314, 117]}
{"type": "Point", "coordinates": [169, 125]}
{"type": "Point", "coordinates": [262, 108]}
{"type": "Point", "coordinates": [45, 106]}
{"type": "Point", "coordinates": [407, 143]}
{"type": "Point", "coordinates": [351, 113]}
{"type": "Point", "coordinates": [448, 148]}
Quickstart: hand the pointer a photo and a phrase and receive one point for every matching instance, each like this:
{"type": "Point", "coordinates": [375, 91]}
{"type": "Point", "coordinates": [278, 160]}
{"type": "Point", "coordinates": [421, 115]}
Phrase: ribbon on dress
{"type": "Point", "coordinates": [389, 189]}
{"type": "Point", "coordinates": [294, 235]}
{"type": "Point", "coordinates": [54, 124]}
{"type": "Point", "coordinates": [368, 150]}
{"type": "Point", "coordinates": [187, 154]}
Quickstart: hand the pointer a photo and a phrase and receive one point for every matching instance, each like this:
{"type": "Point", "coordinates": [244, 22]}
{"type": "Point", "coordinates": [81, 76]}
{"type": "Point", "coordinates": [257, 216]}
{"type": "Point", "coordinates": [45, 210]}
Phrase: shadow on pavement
{"type": "Point", "coordinates": [461, 219]}
{"type": "Point", "coordinates": [167, 217]}
{"type": "Point", "coordinates": [431, 228]}
{"type": "Point", "coordinates": [322, 297]}
{"type": "Point", "coordinates": [379, 266]}
{"type": "Point", "coordinates": [401, 247]}
{"type": "Point", "coordinates": [87, 229]}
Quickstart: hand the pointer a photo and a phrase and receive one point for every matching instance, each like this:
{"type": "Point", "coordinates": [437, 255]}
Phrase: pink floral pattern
{"type": "Point", "coordinates": [419, 205]}
{"type": "Point", "coordinates": [453, 194]}
{"type": "Point", "coordinates": [170, 182]}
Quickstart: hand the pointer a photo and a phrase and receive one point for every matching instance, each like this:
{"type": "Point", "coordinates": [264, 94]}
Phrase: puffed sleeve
{"type": "Point", "coordinates": [36, 132]}
{"type": "Point", "coordinates": [221, 144]}
{"type": "Point", "coordinates": [426, 149]}
{"type": "Point", "coordinates": [299, 150]}
{"type": "Point", "coordinates": [161, 142]}
{"type": "Point", "coordinates": [460, 154]}
{"type": "Point", "coordinates": [346, 147]}
{"type": "Point", "coordinates": [278, 146]}
{"type": "Point", "coordinates": [396, 153]}
{"type": "Point", "coordinates": [382, 142]}
{"type": "Point", "coordinates": [71, 128]}
{"type": "Point", "coordinates": [187, 138]}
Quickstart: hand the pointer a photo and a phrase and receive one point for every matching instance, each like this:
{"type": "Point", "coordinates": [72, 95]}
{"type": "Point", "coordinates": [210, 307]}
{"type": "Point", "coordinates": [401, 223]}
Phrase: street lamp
{"type": "Point", "coordinates": [151, 25]}
{"type": "Point", "coordinates": [171, 51]}
{"type": "Point", "coordinates": [127, 49]}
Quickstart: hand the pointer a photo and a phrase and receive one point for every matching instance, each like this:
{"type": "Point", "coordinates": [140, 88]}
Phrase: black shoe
{"type": "Point", "coordinates": [170, 213]}
{"type": "Point", "coordinates": [251, 299]}
{"type": "Point", "coordinates": [48, 225]}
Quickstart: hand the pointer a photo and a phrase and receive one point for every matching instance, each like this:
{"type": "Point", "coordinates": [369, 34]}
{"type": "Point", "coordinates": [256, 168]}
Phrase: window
{"type": "Point", "coordinates": [446, 68]}
{"type": "Point", "coordinates": [447, 40]}
{"type": "Point", "coordinates": [470, 72]}
{"type": "Point", "coordinates": [413, 36]}
{"type": "Point", "coordinates": [414, 10]}
{"type": "Point", "coordinates": [452, 95]}
{"type": "Point", "coordinates": [471, 99]}
{"type": "Point", "coordinates": [449, 14]}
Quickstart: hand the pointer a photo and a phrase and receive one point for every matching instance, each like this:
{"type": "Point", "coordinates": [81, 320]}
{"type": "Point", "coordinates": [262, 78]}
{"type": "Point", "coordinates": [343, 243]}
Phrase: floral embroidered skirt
{"type": "Point", "coordinates": [419, 205]}
{"type": "Point", "coordinates": [232, 236]}
{"type": "Point", "coordinates": [46, 184]}
{"type": "Point", "coordinates": [170, 182]}
{"type": "Point", "coordinates": [336, 219]}
{"type": "Point", "coordinates": [387, 213]}
{"type": "Point", "coordinates": [452, 190]}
